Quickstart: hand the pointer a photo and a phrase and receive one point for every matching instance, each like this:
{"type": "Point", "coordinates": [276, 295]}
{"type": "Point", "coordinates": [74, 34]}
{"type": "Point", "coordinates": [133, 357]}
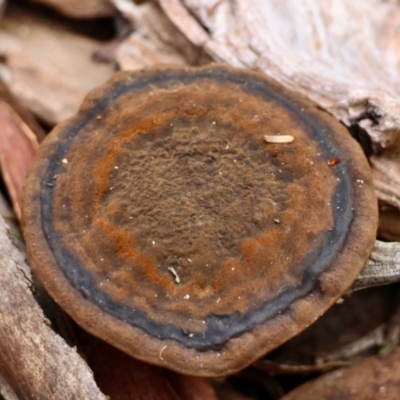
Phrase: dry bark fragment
{"type": "Point", "coordinates": [122, 377]}
{"type": "Point", "coordinates": [18, 146]}
{"type": "Point", "coordinates": [35, 361]}
{"type": "Point", "coordinates": [191, 387]}
{"type": "Point", "coordinates": [389, 223]}
{"type": "Point", "coordinates": [22, 112]}
{"type": "Point", "coordinates": [80, 9]}
{"type": "Point", "coordinates": [50, 68]}
{"type": "Point", "coordinates": [373, 378]}
{"type": "Point", "coordinates": [383, 266]}
{"type": "Point", "coordinates": [352, 329]}
{"type": "Point", "coordinates": [289, 369]}
{"type": "Point", "coordinates": [6, 391]}
{"type": "Point", "coordinates": [155, 39]}
{"type": "Point", "coordinates": [227, 392]}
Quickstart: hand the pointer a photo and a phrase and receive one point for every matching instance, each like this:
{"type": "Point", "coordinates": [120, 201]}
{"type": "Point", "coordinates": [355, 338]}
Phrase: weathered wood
{"type": "Point", "coordinates": [22, 112]}
{"type": "Point", "coordinates": [383, 266]}
{"type": "Point", "coordinates": [154, 40]}
{"type": "Point", "coordinates": [122, 377]}
{"type": "Point", "coordinates": [18, 146]}
{"type": "Point", "coordinates": [50, 67]}
{"type": "Point", "coordinates": [349, 69]}
{"type": "Point", "coordinates": [372, 378]}
{"type": "Point", "coordinates": [5, 390]}
{"type": "Point", "coordinates": [79, 8]}
{"type": "Point", "coordinates": [36, 362]}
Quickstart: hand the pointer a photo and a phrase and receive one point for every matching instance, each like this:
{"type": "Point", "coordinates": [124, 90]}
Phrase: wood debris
{"type": "Point", "coordinates": [175, 275]}
{"type": "Point", "coordinates": [50, 68]}
{"type": "Point", "coordinates": [155, 39]}
{"type": "Point", "coordinates": [279, 138]}
{"type": "Point", "coordinates": [18, 145]}
{"type": "Point", "coordinates": [79, 8]}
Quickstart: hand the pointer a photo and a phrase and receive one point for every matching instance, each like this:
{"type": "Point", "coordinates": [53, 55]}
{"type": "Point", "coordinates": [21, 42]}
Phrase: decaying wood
{"type": "Point", "coordinates": [386, 174]}
{"type": "Point", "coordinates": [383, 266]}
{"type": "Point", "coordinates": [122, 377]}
{"type": "Point", "coordinates": [392, 337]}
{"type": "Point", "coordinates": [22, 112]}
{"type": "Point", "coordinates": [389, 223]}
{"type": "Point", "coordinates": [79, 8]}
{"type": "Point", "coordinates": [354, 349]}
{"type": "Point", "coordinates": [35, 361]}
{"type": "Point", "coordinates": [192, 387]}
{"type": "Point", "coordinates": [373, 378]}
{"type": "Point", "coordinates": [50, 69]}
{"type": "Point", "coordinates": [155, 40]}
{"type": "Point", "coordinates": [18, 146]}
{"type": "Point", "coordinates": [7, 213]}
{"type": "Point", "coordinates": [6, 391]}
{"type": "Point", "coordinates": [354, 328]}
{"type": "Point", "coordinates": [348, 68]}
{"type": "Point", "coordinates": [228, 392]}
{"type": "Point", "coordinates": [2, 7]}
{"type": "Point", "coordinates": [289, 369]}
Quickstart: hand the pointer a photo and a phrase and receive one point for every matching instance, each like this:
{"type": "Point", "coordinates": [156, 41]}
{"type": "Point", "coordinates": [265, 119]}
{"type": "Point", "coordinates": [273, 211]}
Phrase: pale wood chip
{"type": "Point", "coordinates": [278, 138]}
{"type": "Point", "coordinates": [37, 362]}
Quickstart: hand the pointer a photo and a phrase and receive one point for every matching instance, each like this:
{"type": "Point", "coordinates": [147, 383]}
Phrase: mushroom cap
{"type": "Point", "coordinates": [164, 223]}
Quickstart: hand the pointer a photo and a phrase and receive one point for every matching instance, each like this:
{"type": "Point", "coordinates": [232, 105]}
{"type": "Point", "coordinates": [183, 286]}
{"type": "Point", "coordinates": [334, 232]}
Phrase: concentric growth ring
{"type": "Point", "coordinates": [161, 219]}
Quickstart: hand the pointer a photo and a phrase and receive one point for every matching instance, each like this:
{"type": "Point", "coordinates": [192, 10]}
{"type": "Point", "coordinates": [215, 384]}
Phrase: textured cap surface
{"type": "Point", "coordinates": [163, 222]}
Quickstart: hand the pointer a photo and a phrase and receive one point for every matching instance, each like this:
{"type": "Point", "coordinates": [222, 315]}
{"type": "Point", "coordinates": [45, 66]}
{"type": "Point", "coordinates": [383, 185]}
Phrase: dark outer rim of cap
{"type": "Point", "coordinates": [218, 351]}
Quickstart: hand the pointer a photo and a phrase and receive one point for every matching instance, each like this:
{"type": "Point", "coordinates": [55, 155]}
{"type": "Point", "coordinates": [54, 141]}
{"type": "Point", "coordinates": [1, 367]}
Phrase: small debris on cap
{"type": "Point", "coordinates": [278, 138]}
{"type": "Point", "coordinates": [175, 275]}
{"type": "Point", "coordinates": [333, 161]}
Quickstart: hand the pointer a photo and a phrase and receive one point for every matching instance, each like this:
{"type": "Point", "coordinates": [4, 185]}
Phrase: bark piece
{"type": "Point", "coordinates": [122, 377]}
{"type": "Point", "coordinates": [6, 391]}
{"type": "Point", "coordinates": [227, 392]}
{"type": "Point", "coordinates": [349, 330]}
{"type": "Point", "coordinates": [349, 69]}
{"type": "Point", "coordinates": [22, 112]}
{"type": "Point", "coordinates": [373, 378]}
{"type": "Point", "coordinates": [50, 68]}
{"type": "Point", "coordinates": [389, 223]}
{"type": "Point", "coordinates": [191, 387]}
{"type": "Point", "coordinates": [155, 39]}
{"type": "Point", "coordinates": [7, 213]}
{"type": "Point", "coordinates": [18, 146]}
{"type": "Point", "coordinates": [383, 266]}
{"type": "Point", "coordinates": [33, 359]}
{"type": "Point", "coordinates": [79, 8]}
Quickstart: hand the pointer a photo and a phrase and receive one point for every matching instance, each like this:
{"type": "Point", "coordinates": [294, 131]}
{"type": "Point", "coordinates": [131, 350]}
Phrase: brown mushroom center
{"type": "Point", "coordinates": [192, 193]}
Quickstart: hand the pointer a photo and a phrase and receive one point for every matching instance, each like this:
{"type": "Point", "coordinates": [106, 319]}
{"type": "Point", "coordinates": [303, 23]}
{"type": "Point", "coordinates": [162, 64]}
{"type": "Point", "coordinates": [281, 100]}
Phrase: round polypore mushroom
{"type": "Point", "coordinates": [198, 218]}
